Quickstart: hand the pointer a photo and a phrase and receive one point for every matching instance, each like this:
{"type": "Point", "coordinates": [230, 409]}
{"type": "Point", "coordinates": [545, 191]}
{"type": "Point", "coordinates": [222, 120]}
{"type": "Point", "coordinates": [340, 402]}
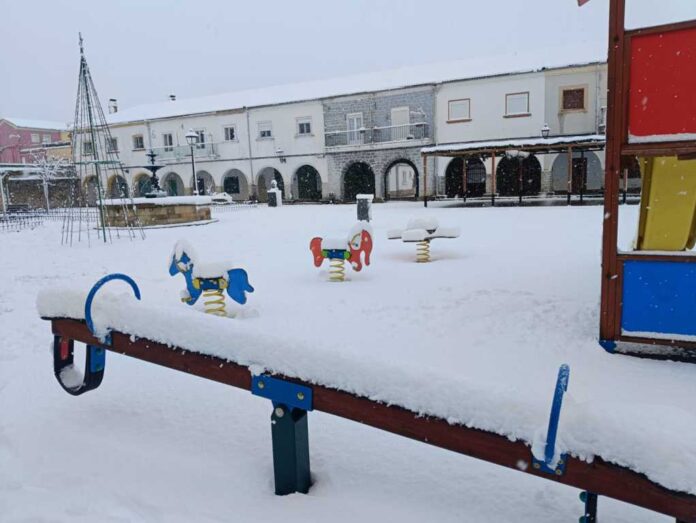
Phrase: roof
{"type": "Point", "coordinates": [549, 145]}
{"type": "Point", "coordinates": [26, 123]}
{"type": "Point", "coordinates": [477, 67]}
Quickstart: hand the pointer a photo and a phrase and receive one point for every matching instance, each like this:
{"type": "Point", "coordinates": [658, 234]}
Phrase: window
{"type": "Point", "coordinates": [46, 138]}
{"type": "Point", "coordinates": [354, 122]}
{"type": "Point", "coordinates": [201, 138]}
{"type": "Point", "coordinates": [138, 142]}
{"type": "Point", "coordinates": [573, 99]}
{"type": "Point", "coordinates": [87, 148]}
{"type": "Point", "coordinates": [231, 185]}
{"type": "Point", "coordinates": [265, 130]}
{"type": "Point", "coordinates": [230, 134]}
{"type": "Point", "coordinates": [459, 110]}
{"type": "Point", "coordinates": [112, 145]}
{"type": "Point", "coordinates": [168, 141]}
{"type": "Point", "coordinates": [35, 138]}
{"type": "Point", "coordinates": [304, 126]}
{"type": "Point", "coordinates": [517, 104]}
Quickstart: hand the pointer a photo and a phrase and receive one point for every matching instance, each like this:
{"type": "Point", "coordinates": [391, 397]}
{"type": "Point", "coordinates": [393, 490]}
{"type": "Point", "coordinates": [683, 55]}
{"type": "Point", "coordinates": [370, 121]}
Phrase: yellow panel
{"type": "Point", "coordinates": [667, 204]}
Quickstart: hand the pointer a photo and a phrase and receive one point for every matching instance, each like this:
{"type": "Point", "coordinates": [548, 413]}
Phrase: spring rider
{"type": "Point", "coordinates": [338, 250]}
{"type": "Point", "coordinates": [421, 231]}
{"type": "Point", "coordinates": [208, 280]}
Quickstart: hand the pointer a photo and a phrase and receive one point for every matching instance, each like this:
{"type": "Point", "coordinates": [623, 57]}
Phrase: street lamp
{"type": "Point", "coordinates": [192, 139]}
{"type": "Point", "coordinates": [545, 131]}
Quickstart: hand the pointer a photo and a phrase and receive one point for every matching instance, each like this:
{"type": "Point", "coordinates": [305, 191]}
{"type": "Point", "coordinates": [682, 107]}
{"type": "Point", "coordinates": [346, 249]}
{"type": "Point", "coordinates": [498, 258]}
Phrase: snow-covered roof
{"type": "Point", "coordinates": [27, 123]}
{"type": "Point", "coordinates": [554, 142]}
{"type": "Point", "coordinates": [481, 66]}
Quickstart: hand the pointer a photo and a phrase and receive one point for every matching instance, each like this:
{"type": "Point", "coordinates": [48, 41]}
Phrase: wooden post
{"type": "Point", "coordinates": [570, 174]}
{"type": "Point", "coordinates": [425, 181]}
{"type": "Point", "coordinates": [609, 327]}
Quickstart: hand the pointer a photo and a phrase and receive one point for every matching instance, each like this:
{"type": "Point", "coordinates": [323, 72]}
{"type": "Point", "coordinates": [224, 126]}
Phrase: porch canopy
{"type": "Point", "coordinates": [512, 147]}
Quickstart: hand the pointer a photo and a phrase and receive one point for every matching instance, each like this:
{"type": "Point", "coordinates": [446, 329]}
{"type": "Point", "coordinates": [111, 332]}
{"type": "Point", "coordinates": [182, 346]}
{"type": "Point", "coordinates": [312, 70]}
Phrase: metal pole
{"type": "Point", "coordinates": [493, 180]}
{"type": "Point", "coordinates": [2, 195]}
{"type": "Point", "coordinates": [464, 178]}
{"type": "Point", "coordinates": [193, 168]}
{"type": "Point", "coordinates": [425, 181]}
{"type": "Point", "coordinates": [583, 181]}
{"type": "Point", "coordinates": [519, 180]}
{"type": "Point", "coordinates": [570, 173]}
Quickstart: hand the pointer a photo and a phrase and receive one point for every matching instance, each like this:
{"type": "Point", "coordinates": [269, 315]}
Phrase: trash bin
{"type": "Point", "coordinates": [365, 207]}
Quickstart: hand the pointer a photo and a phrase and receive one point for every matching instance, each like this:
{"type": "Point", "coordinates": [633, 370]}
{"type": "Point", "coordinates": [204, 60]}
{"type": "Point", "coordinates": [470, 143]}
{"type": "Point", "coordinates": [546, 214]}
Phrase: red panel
{"type": "Point", "coordinates": [662, 100]}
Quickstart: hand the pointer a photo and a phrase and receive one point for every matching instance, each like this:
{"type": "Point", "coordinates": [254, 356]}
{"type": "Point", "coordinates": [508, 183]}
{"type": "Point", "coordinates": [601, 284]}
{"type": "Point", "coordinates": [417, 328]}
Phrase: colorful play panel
{"type": "Point", "coordinates": [355, 249]}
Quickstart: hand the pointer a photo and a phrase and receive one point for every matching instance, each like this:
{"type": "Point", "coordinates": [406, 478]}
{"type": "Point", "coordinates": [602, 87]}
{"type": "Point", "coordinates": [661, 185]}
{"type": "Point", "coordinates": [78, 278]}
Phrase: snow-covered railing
{"type": "Point", "coordinates": [180, 152]}
{"type": "Point", "coordinates": [390, 133]}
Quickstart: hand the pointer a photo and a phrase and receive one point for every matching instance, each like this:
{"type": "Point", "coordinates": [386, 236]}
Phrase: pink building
{"type": "Point", "coordinates": [21, 133]}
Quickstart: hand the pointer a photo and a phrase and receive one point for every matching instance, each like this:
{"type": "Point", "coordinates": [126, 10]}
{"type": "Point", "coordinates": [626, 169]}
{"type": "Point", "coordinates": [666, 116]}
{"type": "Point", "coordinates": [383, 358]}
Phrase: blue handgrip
{"type": "Point", "coordinates": [99, 285]}
{"type": "Point", "coordinates": [561, 388]}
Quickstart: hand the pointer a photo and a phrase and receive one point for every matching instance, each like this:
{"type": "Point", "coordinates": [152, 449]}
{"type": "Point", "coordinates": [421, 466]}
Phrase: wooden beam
{"type": "Point", "coordinates": [600, 477]}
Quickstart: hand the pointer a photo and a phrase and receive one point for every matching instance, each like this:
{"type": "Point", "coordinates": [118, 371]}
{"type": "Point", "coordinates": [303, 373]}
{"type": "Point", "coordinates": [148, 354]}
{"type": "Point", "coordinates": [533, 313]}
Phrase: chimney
{"type": "Point", "coordinates": [172, 97]}
{"type": "Point", "coordinates": [113, 105]}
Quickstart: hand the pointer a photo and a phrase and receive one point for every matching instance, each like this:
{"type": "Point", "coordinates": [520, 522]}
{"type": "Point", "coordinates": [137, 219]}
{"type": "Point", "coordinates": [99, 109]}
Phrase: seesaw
{"type": "Point", "coordinates": [292, 399]}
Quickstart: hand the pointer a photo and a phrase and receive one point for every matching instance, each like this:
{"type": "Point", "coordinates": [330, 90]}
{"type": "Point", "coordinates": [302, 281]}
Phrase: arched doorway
{"type": "Point", "coordinates": [205, 183]}
{"type": "Point", "coordinates": [588, 174]}
{"type": "Point", "coordinates": [307, 183]}
{"type": "Point", "coordinates": [118, 187]}
{"type": "Point", "coordinates": [173, 184]}
{"type": "Point", "coordinates": [358, 179]}
{"type": "Point", "coordinates": [518, 176]}
{"type": "Point", "coordinates": [142, 185]}
{"type": "Point", "coordinates": [235, 184]}
{"type": "Point", "coordinates": [475, 178]}
{"type": "Point", "coordinates": [401, 180]}
{"type": "Point", "coordinates": [264, 183]}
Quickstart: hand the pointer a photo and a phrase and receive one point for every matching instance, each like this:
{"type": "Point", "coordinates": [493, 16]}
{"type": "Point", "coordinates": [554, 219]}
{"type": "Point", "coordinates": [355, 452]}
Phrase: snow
{"type": "Point", "coordinates": [36, 124]}
{"type": "Point", "coordinates": [658, 138]}
{"type": "Point", "coordinates": [334, 243]}
{"type": "Point", "coordinates": [476, 336]}
{"type": "Point", "coordinates": [166, 200]}
{"type": "Point", "coordinates": [517, 61]}
{"type": "Point", "coordinates": [599, 139]}
{"type": "Point", "coordinates": [211, 269]}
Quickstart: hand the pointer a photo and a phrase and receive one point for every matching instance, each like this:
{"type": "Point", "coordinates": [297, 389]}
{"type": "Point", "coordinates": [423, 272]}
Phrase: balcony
{"type": "Point", "coordinates": [178, 153]}
{"type": "Point", "coordinates": [378, 135]}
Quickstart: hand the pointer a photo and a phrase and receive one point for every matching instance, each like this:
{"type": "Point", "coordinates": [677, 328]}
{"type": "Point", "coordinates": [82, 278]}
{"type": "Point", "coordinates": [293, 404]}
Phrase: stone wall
{"type": "Point", "coordinates": [150, 214]}
{"type": "Point", "coordinates": [31, 192]}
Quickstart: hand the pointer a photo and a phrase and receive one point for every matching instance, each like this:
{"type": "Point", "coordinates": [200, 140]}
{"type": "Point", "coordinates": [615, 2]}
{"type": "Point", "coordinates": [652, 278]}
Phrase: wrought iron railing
{"type": "Point", "coordinates": [375, 135]}
{"type": "Point", "coordinates": [181, 152]}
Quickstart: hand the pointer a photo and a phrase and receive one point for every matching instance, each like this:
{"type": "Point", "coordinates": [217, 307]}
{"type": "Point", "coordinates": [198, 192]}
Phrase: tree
{"type": "Point", "coordinates": [49, 168]}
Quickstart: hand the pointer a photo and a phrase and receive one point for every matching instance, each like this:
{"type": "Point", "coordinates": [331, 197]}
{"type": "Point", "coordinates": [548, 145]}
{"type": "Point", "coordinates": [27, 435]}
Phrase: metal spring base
{"type": "Point", "coordinates": [214, 302]}
{"type": "Point", "coordinates": [423, 251]}
{"type": "Point", "coordinates": [337, 270]}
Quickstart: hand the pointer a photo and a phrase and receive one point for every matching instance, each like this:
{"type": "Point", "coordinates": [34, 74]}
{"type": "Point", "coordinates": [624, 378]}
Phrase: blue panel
{"type": "Point", "coordinates": [281, 391]}
{"type": "Point", "coordinates": [659, 297]}
{"type": "Point", "coordinates": [97, 358]}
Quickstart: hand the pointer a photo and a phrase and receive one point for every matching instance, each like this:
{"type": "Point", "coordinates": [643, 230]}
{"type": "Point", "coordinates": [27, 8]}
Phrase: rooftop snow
{"type": "Point", "coordinates": [27, 123]}
{"type": "Point", "coordinates": [521, 143]}
{"type": "Point", "coordinates": [478, 67]}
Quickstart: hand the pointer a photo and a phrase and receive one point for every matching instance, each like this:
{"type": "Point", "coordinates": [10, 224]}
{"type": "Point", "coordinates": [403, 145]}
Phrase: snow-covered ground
{"type": "Point", "coordinates": [485, 327]}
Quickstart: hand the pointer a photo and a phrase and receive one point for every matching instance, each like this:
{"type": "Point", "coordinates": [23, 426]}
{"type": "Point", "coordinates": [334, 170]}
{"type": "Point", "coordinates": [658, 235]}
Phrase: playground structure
{"type": "Point", "coordinates": [355, 249]}
{"type": "Point", "coordinates": [648, 292]}
{"type": "Point", "coordinates": [422, 231]}
{"type": "Point", "coordinates": [209, 281]}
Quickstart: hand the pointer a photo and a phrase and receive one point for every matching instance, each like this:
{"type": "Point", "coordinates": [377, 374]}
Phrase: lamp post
{"type": "Point", "coordinates": [545, 131]}
{"type": "Point", "coordinates": [192, 140]}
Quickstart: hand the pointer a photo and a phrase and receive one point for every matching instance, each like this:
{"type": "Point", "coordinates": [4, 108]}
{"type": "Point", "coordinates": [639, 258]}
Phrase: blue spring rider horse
{"type": "Point", "coordinates": [209, 281]}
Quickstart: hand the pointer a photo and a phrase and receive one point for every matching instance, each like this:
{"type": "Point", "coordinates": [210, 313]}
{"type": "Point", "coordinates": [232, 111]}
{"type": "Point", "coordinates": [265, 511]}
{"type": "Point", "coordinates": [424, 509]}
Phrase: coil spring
{"type": "Point", "coordinates": [423, 251]}
{"type": "Point", "coordinates": [337, 271]}
{"type": "Point", "coordinates": [214, 302]}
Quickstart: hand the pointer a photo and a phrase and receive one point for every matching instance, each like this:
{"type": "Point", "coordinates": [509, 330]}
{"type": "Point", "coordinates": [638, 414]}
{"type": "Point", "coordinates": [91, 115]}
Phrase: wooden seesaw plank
{"type": "Point", "coordinates": [600, 477]}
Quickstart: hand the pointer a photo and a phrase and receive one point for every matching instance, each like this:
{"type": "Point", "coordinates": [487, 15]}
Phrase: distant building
{"type": "Point", "coordinates": [17, 134]}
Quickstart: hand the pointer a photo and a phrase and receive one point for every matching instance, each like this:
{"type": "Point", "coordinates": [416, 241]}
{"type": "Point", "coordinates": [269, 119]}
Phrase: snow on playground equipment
{"type": "Point", "coordinates": [422, 231]}
{"type": "Point", "coordinates": [338, 250]}
{"type": "Point", "coordinates": [209, 280]}
{"type": "Point", "coordinates": [292, 399]}
{"type": "Point", "coordinates": [649, 294]}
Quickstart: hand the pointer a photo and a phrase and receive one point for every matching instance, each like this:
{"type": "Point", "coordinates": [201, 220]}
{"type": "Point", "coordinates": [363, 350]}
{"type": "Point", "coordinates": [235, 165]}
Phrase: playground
{"type": "Point", "coordinates": [476, 336]}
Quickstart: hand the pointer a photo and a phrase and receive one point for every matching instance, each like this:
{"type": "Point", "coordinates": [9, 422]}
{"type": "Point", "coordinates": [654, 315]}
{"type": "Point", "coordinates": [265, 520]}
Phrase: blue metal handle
{"type": "Point", "coordinates": [561, 388]}
{"type": "Point", "coordinates": [99, 285]}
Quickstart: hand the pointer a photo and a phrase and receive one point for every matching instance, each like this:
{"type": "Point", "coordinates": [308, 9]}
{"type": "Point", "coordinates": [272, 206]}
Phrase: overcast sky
{"type": "Point", "coordinates": [140, 51]}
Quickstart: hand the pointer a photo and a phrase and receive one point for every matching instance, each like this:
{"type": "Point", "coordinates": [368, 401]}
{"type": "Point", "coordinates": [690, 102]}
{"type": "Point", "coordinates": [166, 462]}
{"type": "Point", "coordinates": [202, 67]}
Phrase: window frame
{"type": "Point", "coordinates": [201, 143]}
{"type": "Point", "coordinates": [46, 139]}
{"type": "Point", "coordinates": [35, 138]}
{"type": "Point", "coordinates": [87, 151]}
{"type": "Point", "coordinates": [303, 120]}
{"type": "Point", "coordinates": [517, 115]}
{"type": "Point", "coordinates": [224, 132]}
{"type": "Point", "coordinates": [142, 139]}
{"type": "Point", "coordinates": [112, 140]}
{"type": "Point", "coordinates": [449, 111]}
{"type": "Point", "coordinates": [563, 89]}
{"type": "Point", "coordinates": [167, 147]}
{"type": "Point", "coordinates": [259, 124]}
